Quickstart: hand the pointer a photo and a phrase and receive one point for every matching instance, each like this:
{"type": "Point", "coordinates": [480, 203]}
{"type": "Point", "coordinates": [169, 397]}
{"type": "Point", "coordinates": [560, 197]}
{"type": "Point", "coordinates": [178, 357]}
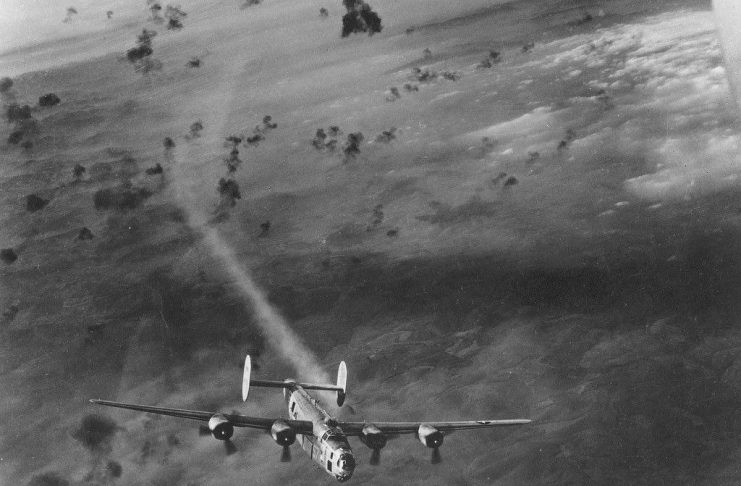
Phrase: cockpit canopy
{"type": "Point", "coordinates": [337, 442]}
{"type": "Point", "coordinates": [335, 439]}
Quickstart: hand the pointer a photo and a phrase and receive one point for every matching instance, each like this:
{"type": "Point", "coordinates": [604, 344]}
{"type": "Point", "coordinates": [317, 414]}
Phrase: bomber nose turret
{"type": "Point", "coordinates": [346, 464]}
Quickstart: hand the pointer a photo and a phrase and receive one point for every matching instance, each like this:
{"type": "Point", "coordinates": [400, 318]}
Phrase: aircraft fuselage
{"type": "Point", "coordinates": [327, 446]}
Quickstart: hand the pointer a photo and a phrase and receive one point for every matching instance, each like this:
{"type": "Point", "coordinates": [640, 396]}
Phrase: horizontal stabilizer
{"type": "Point", "coordinates": [340, 387]}
{"type": "Point", "coordinates": [288, 384]}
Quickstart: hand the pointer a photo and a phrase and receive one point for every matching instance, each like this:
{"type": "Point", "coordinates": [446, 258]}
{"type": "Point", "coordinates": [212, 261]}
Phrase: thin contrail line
{"type": "Point", "coordinates": [277, 331]}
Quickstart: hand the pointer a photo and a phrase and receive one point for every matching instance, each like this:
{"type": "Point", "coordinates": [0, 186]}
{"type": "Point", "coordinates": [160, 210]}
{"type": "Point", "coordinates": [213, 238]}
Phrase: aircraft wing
{"type": "Point", "coordinates": [356, 428]}
{"type": "Point", "coordinates": [300, 426]}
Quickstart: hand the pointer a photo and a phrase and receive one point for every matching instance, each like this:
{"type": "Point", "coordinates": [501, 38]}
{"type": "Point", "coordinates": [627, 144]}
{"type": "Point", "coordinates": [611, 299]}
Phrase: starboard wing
{"type": "Point", "coordinates": [356, 428]}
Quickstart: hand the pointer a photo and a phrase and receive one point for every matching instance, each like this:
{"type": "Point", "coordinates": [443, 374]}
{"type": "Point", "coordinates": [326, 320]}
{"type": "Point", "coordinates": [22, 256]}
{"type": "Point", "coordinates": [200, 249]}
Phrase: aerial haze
{"type": "Point", "coordinates": [540, 220]}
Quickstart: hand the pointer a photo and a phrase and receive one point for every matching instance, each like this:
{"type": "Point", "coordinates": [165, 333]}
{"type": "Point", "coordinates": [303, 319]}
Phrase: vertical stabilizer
{"type": "Point", "coordinates": [341, 383]}
{"type": "Point", "coordinates": [246, 378]}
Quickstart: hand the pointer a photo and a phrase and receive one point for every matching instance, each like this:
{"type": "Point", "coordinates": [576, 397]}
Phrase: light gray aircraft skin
{"type": "Point", "coordinates": [322, 436]}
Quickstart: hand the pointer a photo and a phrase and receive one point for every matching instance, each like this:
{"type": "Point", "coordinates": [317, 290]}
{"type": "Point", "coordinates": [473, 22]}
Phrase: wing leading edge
{"type": "Point", "coordinates": [300, 426]}
{"type": "Point", "coordinates": [356, 428]}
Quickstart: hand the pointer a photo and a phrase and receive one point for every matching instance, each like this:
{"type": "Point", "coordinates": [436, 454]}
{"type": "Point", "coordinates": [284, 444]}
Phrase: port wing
{"type": "Point", "coordinates": [300, 426]}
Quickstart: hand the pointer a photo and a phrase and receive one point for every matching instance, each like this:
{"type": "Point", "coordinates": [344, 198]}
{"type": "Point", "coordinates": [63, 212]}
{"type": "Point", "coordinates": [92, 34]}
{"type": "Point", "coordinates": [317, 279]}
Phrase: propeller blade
{"type": "Point", "coordinates": [436, 457]}
{"type": "Point", "coordinates": [204, 430]}
{"type": "Point", "coordinates": [286, 455]}
{"type": "Point", "coordinates": [375, 459]}
{"type": "Point", "coordinates": [229, 447]}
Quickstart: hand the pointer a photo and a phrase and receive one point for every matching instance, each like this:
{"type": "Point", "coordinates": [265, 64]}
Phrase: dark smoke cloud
{"type": "Point", "coordinates": [260, 131]}
{"type": "Point", "coordinates": [250, 3]}
{"type": "Point", "coordinates": [493, 58]}
{"type": "Point", "coordinates": [359, 18]}
{"type": "Point", "coordinates": [71, 12]}
{"type": "Point", "coordinates": [78, 171]}
{"type": "Point", "coordinates": [255, 139]}
{"type": "Point", "coordinates": [85, 234]}
{"type": "Point", "coordinates": [229, 192]}
{"type": "Point", "coordinates": [25, 126]}
{"type": "Point", "coordinates": [174, 15]}
{"type": "Point", "coordinates": [352, 145]}
{"type": "Point", "coordinates": [233, 161]}
{"type": "Point", "coordinates": [423, 76]}
{"type": "Point", "coordinates": [234, 140]}
{"type": "Point", "coordinates": [154, 9]}
{"type": "Point", "coordinates": [195, 129]}
{"type": "Point", "coordinates": [268, 124]}
{"type": "Point", "coordinates": [393, 94]}
{"type": "Point", "coordinates": [96, 432]}
{"type": "Point", "coordinates": [114, 469]}
{"type": "Point", "coordinates": [16, 113]}
{"type": "Point", "coordinates": [387, 136]}
{"type": "Point", "coordinates": [49, 99]}
{"type": "Point", "coordinates": [48, 479]}
{"type": "Point", "coordinates": [141, 55]}
{"type": "Point", "coordinates": [378, 217]}
{"type": "Point", "coordinates": [157, 169]}
{"type": "Point", "coordinates": [319, 139]}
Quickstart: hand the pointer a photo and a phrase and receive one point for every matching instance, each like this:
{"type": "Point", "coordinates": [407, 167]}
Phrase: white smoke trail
{"type": "Point", "coordinates": [279, 334]}
{"type": "Point", "coordinates": [277, 331]}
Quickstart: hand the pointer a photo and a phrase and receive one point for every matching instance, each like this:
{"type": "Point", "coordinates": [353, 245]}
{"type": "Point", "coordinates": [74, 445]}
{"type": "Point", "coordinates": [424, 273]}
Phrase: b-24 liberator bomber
{"type": "Point", "coordinates": [322, 436]}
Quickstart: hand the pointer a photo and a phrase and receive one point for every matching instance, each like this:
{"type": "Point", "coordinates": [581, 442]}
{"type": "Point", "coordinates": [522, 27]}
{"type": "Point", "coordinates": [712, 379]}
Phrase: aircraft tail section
{"type": "Point", "coordinates": [340, 387]}
{"type": "Point", "coordinates": [341, 383]}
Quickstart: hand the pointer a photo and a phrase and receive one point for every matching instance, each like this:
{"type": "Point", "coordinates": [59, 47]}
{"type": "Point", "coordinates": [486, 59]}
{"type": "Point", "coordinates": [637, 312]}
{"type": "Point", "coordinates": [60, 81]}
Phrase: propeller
{"type": "Point", "coordinates": [286, 455]}
{"type": "Point", "coordinates": [375, 459]}
{"type": "Point", "coordinates": [436, 458]}
{"type": "Point", "coordinates": [229, 447]}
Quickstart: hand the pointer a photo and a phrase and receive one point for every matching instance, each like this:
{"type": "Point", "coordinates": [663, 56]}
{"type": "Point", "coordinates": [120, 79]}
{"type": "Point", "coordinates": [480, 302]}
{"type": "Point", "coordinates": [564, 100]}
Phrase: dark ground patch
{"type": "Point", "coordinates": [627, 330]}
{"type": "Point", "coordinates": [120, 198]}
{"type": "Point", "coordinates": [446, 214]}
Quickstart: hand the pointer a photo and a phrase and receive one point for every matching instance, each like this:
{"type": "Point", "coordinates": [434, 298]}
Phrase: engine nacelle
{"type": "Point", "coordinates": [220, 427]}
{"type": "Point", "coordinates": [430, 436]}
{"type": "Point", "coordinates": [282, 433]}
{"type": "Point", "coordinates": [372, 437]}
